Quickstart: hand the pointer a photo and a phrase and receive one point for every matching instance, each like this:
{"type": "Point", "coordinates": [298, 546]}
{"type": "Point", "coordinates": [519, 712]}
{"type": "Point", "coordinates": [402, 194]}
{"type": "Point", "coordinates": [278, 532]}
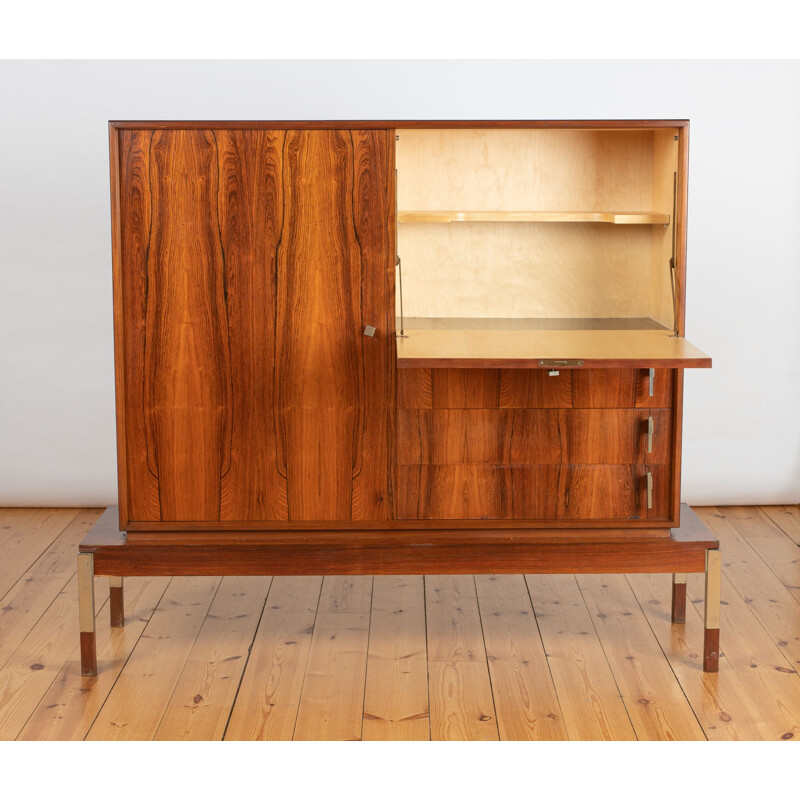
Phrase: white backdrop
{"type": "Point", "coordinates": [742, 419]}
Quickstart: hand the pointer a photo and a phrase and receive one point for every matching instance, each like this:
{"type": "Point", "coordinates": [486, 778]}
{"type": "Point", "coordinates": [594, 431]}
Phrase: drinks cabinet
{"type": "Point", "coordinates": [399, 347]}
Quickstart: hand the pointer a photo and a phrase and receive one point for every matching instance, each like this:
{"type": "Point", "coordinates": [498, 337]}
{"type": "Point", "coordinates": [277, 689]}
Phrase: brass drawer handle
{"type": "Point", "coordinates": [649, 490]}
{"type": "Point", "coordinates": [650, 429]}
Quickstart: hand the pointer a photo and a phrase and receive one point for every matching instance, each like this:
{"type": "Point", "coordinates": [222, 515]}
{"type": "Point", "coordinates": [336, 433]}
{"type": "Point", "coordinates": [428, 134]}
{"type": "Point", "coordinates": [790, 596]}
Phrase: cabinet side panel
{"type": "Point", "coordinates": [140, 462]}
{"type": "Point", "coordinates": [250, 223]}
{"type": "Point", "coordinates": [187, 360]}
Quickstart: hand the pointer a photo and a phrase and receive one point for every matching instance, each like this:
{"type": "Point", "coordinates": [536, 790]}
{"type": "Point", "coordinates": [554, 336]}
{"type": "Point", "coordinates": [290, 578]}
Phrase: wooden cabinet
{"type": "Point", "coordinates": [402, 339]}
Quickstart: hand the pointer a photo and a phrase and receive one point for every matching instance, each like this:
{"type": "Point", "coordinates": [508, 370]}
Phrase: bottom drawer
{"type": "Point", "coordinates": [540, 493]}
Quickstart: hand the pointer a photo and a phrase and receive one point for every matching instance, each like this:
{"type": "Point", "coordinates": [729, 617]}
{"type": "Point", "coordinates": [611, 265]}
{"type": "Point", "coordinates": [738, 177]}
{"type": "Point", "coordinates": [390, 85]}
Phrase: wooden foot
{"type": "Point", "coordinates": [679, 597]}
{"type": "Point", "coordinates": [712, 599]}
{"type": "Point", "coordinates": [116, 602]}
{"type": "Point", "coordinates": [86, 613]}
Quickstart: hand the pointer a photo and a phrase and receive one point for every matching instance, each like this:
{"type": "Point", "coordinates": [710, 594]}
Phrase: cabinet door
{"type": "Point", "coordinates": [247, 265]}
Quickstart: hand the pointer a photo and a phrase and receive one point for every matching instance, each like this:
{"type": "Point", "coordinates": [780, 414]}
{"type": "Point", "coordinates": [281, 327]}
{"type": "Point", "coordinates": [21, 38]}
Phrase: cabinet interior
{"type": "Point", "coordinates": [525, 230]}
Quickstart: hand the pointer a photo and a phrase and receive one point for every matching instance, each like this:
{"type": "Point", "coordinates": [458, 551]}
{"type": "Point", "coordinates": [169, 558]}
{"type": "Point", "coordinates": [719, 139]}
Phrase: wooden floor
{"type": "Point", "coordinates": [483, 657]}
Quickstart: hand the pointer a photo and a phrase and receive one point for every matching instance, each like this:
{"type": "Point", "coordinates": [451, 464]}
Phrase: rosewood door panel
{"type": "Point", "coordinates": [249, 262]}
{"type": "Point", "coordinates": [333, 383]}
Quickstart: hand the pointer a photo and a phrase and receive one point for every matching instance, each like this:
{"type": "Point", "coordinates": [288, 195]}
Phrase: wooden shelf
{"type": "Point", "coordinates": [611, 217]}
{"type": "Point", "coordinates": [483, 349]}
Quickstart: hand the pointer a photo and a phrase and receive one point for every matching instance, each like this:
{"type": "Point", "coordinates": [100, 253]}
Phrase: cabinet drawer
{"type": "Point", "coordinates": [545, 492]}
{"type": "Point", "coordinates": [622, 388]}
{"type": "Point", "coordinates": [603, 492]}
{"type": "Point", "coordinates": [616, 436]}
{"type": "Point", "coordinates": [527, 436]}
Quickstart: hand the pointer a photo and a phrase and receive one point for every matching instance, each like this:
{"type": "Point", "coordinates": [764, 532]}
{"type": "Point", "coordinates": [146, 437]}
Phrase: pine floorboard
{"type": "Point", "coordinates": [509, 657]}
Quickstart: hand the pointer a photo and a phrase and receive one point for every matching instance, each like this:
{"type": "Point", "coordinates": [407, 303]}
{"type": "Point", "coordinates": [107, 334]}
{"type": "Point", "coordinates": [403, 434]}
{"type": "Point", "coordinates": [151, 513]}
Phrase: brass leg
{"type": "Point", "coordinates": [86, 613]}
{"type": "Point", "coordinates": [713, 586]}
{"type": "Point", "coordinates": [679, 597]}
{"type": "Point", "coordinates": [116, 602]}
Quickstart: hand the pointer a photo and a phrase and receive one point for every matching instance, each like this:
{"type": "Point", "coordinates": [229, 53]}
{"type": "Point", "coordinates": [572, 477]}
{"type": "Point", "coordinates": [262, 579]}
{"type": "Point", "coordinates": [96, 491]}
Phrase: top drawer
{"type": "Point", "coordinates": [534, 388]}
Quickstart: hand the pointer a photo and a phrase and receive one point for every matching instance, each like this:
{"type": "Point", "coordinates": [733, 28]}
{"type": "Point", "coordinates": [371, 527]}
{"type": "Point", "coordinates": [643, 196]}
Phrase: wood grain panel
{"type": "Point", "coordinates": [250, 220]}
{"type": "Point", "coordinates": [532, 388]}
{"type": "Point", "coordinates": [531, 436]}
{"type": "Point", "coordinates": [187, 360]}
{"type": "Point", "coordinates": [141, 465]}
{"type": "Point", "coordinates": [450, 436]}
{"type": "Point", "coordinates": [251, 260]}
{"type": "Point", "coordinates": [588, 491]}
{"type": "Point", "coordinates": [602, 436]}
{"type": "Point", "coordinates": [604, 388]}
{"type": "Point", "coordinates": [530, 492]}
{"type": "Point", "coordinates": [414, 388]}
{"type": "Point", "coordinates": [373, 219]}
{"type": "Point", "coordinates": [662, 435]}
{"type": "Point", "coordinates": [662, 491]}
{"type": "Point", "coordinates": [448, 491]}
{"type": "Point", "coordinates": [663, 381]}
{"type": "Point", "coordinates": [323, 384]}
{"type": "Point", "coordinates": [465, 388]}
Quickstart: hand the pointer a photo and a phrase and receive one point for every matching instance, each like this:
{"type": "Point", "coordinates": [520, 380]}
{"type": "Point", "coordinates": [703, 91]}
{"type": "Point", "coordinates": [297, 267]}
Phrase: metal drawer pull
{"type": "Point", "coordinates": [649, 489]}
{"type": "Point", "coordinates": [369, 331]}
{"type": "Point", "coordinates": [650, 428]}
{"type": "Point", "coordinates": [652, 380]}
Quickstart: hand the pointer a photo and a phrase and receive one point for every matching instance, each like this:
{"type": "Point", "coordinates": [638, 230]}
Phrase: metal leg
{"type": "Point", "coordinates": [679, 597]}
{"type": "Point", "coordinates": [713, 586]}
{"type": "Point", "coordinates": [116, 602]}
{"type": "Point", "coordinates": [86, 613]}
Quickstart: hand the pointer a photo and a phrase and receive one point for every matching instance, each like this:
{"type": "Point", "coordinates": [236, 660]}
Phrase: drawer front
{"type": "Point", "coordinates": [526, 436]}
{"type": "Point", "coordinates": [525, 445]}
{"type": "Point", "coordinates": [544, 492]}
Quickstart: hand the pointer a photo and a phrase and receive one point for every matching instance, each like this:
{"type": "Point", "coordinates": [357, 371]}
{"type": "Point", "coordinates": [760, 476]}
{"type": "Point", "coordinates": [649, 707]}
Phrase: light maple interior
{"type": "Point", "coordinates": [490, 227]}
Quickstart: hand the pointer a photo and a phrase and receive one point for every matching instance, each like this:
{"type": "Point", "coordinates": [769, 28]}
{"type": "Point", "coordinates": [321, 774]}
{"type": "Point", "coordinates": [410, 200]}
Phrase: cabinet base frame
{"type": "Point", "coordinates": [107, 551]}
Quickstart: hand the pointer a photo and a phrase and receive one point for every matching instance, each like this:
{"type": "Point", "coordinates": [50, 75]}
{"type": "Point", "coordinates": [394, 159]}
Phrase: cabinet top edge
{"type": "Point", "coordinates": [399, 124]}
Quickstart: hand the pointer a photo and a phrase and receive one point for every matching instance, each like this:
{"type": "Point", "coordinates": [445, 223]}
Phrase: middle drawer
{"type": "Point", "coordinates": [523, 436]}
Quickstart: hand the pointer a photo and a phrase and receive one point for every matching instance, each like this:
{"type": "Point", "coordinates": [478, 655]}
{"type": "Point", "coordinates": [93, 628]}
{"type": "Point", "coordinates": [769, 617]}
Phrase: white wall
{"type": "Point", "coordinates": [742, 419]}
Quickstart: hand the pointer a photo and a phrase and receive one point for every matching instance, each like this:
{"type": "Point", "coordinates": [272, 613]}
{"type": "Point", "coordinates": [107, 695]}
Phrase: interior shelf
{"type": "Point", "coordinates": [611, 217]}
{"type": "Point", "coordinates": [496, 348]}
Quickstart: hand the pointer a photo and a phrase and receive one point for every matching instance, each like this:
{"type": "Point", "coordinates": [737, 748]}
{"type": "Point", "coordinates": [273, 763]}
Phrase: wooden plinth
{"type": "Point", "coordinates": [392, 552]}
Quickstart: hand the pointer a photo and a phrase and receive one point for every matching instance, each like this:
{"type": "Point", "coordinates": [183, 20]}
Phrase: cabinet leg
{"type": "Point", "coordinates": [712, 601]}
{"type": "Point", "coordinates": [116, 602]}
{"type": "Point", "coordinates": [86, 613]}
{"type": "Point", "coordinates": [679, 597]}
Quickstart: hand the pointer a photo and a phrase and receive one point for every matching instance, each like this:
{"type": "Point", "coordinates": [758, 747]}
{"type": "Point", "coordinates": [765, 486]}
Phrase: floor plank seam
{"type": "Point", "coordinates": [427, 651]}
{"type": "Point", "coordinates": [55, 677]}
{"type": "Point", "coordinates": [546, 655]}
{"type": "Point", "coordinates": [125, 663]}
{"type": "Point", "coordinates": [605, 656]}
{"type": "Point", "coordinates": [733, 585]}
{"type": "Point", "coordinates": [308, 658]}
{"type": "Point", "coordinates": [486, 658]}
{"type": "Point", "coordinates": [666, 658]}
{"type": "Point", "coordinates": [746, 540]}
{"type": "Point", "coordinates": [247, 661]}
{"type": "Point", "coordinates": [38, 619]}
{"type": "Point", "coordinates": [366, 666]}
{"type": "Point", "coordinates": [188, 656]}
